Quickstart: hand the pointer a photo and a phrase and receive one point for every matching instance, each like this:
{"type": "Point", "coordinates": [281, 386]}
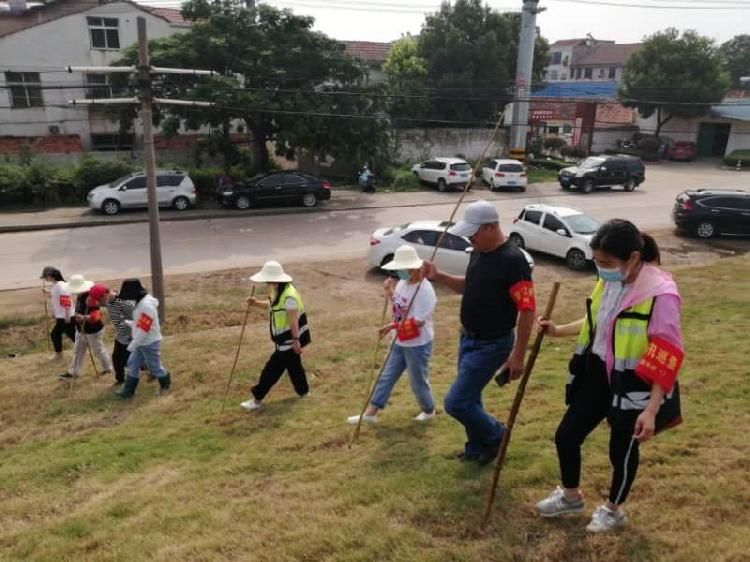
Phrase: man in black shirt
{"type": "Point", "coordinates": [498, 294]}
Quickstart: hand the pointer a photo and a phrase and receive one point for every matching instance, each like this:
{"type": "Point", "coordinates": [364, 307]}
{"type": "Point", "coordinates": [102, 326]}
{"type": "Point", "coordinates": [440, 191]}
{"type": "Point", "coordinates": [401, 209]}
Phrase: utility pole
{"type": "Point", "coordinates": [144, 70]}
{"type": "Point", "coordinates": [520, 125]}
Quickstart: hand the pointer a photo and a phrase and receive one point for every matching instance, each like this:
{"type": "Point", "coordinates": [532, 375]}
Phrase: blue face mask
{"type": "Point", "coordinates": [613, 275]}
{"type": "Point", "coordinates": [403, 274]}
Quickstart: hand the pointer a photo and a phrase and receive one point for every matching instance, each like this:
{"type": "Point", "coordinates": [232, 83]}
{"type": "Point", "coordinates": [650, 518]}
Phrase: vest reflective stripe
{"type": "Point", "coordinates": [281, 331]}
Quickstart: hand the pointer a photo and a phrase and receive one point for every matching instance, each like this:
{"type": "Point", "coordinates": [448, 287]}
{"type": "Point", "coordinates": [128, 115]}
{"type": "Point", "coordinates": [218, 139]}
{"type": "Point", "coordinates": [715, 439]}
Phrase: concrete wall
{"type": "Point", "coordinates": [55, 45]}
{"type": "Point", "coordinates": [415, 145]}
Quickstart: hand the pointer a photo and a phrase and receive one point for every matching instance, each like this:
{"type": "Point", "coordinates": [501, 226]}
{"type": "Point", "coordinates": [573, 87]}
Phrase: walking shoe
{"type": "Point", "coordinates": [165, 383]}
{"type": "Point", "coordinates": [250, 405]}
{"type": "Point", "coordinates": [557, 504]}
{"type": "Point", "coordinates": [489, 452]}
{"type": "Point", "coordinates": [605, 520]}
{"type": "Point", "coordinates": [105, 372]}
{"type": "Point", "coordinates": [424, 416]}
{"type": "Point", "coordinates": [354, 420]}
{"type": "Point", "coordinates": [461, 456]}
{"type": "Point", "coordinates": [67, 376]}
{"type": "Point", "coordinates": [128, 389]}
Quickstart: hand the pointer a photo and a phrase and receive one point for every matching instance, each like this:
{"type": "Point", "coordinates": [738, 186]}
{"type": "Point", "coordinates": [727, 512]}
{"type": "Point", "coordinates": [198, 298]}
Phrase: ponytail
{"type": "Point", "coordinates": [650, 252]}
{"type": "Point", "coordinates": [621, 238]}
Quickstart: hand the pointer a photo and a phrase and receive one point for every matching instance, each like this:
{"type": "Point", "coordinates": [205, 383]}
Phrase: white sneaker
{"type": "Point", "coordinates": [250, 405]}
{"type": "Point", "coordinates": [605, 520]}
{"type": "Point", "coordinates": [354, 420]}
{"type": "Point", "coordinates": [557, 504]}
{"type": "Point", "coordinates": [424, 416]}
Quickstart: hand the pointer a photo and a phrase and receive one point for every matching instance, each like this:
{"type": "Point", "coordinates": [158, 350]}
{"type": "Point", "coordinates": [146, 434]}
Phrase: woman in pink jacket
{"type": "Point", "coordinates": [624, 368]}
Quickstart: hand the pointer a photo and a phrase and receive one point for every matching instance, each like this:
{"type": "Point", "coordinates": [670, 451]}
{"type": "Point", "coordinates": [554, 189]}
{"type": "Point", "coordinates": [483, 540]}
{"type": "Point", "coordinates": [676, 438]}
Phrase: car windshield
{"type": "Point", "coordinates": [591, 162]}
{"type": "Point", "coordinates": [582, 224]}
{"type": "Point", "coordinates": [118, 181]}
{"type": "Point", "coordinates": [515, 168]}
{"type": "Point", "coordinates": [462, 167]}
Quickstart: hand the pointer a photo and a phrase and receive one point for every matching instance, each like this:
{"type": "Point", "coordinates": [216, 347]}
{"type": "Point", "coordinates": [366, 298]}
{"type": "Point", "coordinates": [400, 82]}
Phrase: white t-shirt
{"type": "Point", "coordinates": [61, 299]}
{"type": "Point", "coordinates": [423, 308]}
{"type": "Point", "coordinates": [614, 292]}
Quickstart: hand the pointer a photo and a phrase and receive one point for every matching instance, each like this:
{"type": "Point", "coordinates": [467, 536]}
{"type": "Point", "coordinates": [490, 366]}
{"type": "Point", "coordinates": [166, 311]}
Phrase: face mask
{"type": "Point", "coordinates": [272, 291]}
{"type": "Point", "coordinates": [403, 274]}
{"type": "Point", "coordinates": [613, 275]}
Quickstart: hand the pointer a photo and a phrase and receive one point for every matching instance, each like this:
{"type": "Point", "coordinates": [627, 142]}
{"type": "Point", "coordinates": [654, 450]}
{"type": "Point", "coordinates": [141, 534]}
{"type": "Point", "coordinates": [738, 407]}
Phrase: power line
{"type": "Point", "coordinates": [651, 6]}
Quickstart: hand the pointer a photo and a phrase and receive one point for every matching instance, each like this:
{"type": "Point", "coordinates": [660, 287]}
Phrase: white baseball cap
{"type": "Point", "coordinates": [475, 215]}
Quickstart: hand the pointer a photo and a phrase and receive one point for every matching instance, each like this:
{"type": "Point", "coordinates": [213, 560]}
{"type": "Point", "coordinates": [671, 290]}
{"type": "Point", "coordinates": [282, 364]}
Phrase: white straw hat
{"type": "Point", "coordinates": [405, 258]}
{"type": "Point", "coordinates": [272, 272]}
{"type": "Point", "coordinates": [78, 284]}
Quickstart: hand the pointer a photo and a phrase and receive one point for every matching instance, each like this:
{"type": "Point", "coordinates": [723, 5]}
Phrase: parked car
{"type": "Point", "coordinates": [273, 188]}
{"type": "Point", "coordinates": [683, 150]}
{"type": "Point", "coordinates": [452, 256]}
{"type": "Point", "coordinates": [505, 173]}
{"type": "Point", "coordinates": [444, 173]}
{"type": "Point", "coordinates": [559, 231]}
{"type": "Point", "coordinates": [596, 172]}
{"type": "Point", "coordinates": [173, 189]}
{"type": "Point", "coordinates": [709, 212]}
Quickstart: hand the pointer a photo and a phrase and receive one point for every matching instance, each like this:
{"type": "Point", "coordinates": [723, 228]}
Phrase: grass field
{"type": "Point", "coordinates": [84, 477]}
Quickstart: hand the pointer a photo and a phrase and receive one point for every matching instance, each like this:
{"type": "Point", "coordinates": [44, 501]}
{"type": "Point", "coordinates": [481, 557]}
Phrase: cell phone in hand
{"type": "Point", "coordinates": [503, 377]}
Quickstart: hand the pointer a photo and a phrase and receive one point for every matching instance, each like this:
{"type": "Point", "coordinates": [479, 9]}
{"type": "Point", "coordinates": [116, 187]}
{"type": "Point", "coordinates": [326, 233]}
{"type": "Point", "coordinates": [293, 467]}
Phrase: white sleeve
{"type": "Point", "coordinates": [424, 304]}
{"type": "Point", "coordinates": [290, 304]}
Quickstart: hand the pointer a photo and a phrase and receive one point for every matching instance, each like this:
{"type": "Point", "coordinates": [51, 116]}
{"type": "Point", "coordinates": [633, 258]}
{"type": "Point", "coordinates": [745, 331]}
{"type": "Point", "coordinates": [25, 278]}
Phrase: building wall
{"type": "Point", "coordinates": [415, 145]}
{"type": "Point", "coordinates": [55, 45]}
{"type": "Point", "coordinates": [555, 72]}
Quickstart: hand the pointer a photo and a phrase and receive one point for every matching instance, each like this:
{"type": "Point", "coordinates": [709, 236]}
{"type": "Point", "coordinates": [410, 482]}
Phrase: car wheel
{"type": "Point", "coordinates": [705, 229]}
{"type": "Point", "coordinates": [576, 260]}
{"type": "Point", "coordinates": [629, 185]}
{"type": "Point", "coordinates": [588, 186]}
{"type": "Point", "coordinates": [442, 187]}
{"type": "Point", "coordinates": [522, 189]}
{"type": "Point", "coordinates": [309, 200]}
{"type": "Point", "coordinates": [111, 206]}
{"type": "Point", "coordinates": [565, 186]}
{"type": "Point", "coordinates": [181, 203]}
{"type": "Point", "coordinates": [243, 202]}
{"type": "Point", "coordinates": [517, 239]}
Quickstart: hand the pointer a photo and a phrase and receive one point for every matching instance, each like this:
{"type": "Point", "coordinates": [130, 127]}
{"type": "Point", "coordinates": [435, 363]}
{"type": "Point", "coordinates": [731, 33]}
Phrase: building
{"type": "Point", "coordinates": [374, 55]}
{"type": "Point", "coordinates": [587, 59]}
{"type": "Point", "coordinates": [38, 40]}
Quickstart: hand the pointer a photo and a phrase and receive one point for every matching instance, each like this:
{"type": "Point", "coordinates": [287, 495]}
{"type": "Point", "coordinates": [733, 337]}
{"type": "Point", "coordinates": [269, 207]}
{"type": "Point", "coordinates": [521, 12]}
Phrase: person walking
{"type": "Point", "coordinates": [120, 310]}
{"type": "Point", "coordinates": [89, 328]}
{"type": "Point", "coordinates": [145, 343]}
{"type": "Point", "coordinates": [412, 347]}
{"type": "Point", "coordinates": [498, 295]}
{"type": "Point", "coordinates": [62, 309]}
{"type": "Point", "coordinates": [289, 331]}
{"type": "Point", "coordinates": [624, 368]}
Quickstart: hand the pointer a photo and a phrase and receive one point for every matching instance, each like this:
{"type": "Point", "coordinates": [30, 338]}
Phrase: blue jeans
{"type": "Point", "coordinates": [417, 361]}
{"type": "Point", "coordinates": [478, 360]}
{"type": "Point", "coordinates": [149, 355]}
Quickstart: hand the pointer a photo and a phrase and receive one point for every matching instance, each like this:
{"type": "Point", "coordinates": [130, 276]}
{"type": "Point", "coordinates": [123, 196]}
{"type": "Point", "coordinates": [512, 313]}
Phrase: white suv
{"type": "Point", "coordinates": [173, 189]}
{"type": "Point", "coordinates": [505, 173]}
{"type": "Point", "coordinates": [444, 173]}
{"type": "Point", "coordinates": [560, 231]}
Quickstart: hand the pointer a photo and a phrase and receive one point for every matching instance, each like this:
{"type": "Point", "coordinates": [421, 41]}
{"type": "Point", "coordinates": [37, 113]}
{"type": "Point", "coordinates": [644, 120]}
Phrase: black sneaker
{"type": "Point", "coordinates": [67, 376]}
{"type": "Point", "coordinates": [489, 452]}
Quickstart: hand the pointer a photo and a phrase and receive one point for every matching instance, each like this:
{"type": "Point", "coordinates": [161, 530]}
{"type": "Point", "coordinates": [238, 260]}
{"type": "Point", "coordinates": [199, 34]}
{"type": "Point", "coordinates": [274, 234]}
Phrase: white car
{"type": "Point", "coordinates": [173, 189]}
{"type": "Point", "coordinates": [444, 173]}
{"type": "Point", "coordinates": [560, 231]}
{"type": "Point", "coordinates": [452, 256]}
{"type": "Point", "coordinates": [505, 173]}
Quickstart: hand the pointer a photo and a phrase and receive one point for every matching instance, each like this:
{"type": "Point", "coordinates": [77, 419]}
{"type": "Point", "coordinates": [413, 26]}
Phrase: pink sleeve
{"type": "Point", "coordinates": [665, 320]}
{"type": "Point", "coordinates": [662, 361]}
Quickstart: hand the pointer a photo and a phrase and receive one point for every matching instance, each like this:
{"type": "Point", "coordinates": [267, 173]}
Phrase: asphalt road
{"type": "Point", "coordinates": [118, 251]}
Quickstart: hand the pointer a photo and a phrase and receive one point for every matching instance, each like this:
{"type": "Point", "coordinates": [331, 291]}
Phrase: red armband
{"type": "Point", "coordinates": [522, 294]}
{"type": "Point", "coordinates": [144, 322]}
{"type": "Point", "coordinates": [65, 301]}
{"type": "Point", "coordinates": [408, 330]}
{"type": "Point", "coordinates": [660, 364]}
{"type": "Point", "coordinates": [94, 316]}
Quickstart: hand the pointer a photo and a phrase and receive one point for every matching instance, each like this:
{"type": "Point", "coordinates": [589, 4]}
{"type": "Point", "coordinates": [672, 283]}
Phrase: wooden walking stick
{"type": "Point", "coordinates": [370, 383]}
{"type": "Point", "coordinates": [46, 315]}
{"type": "Point", "coordinates": [517, 403]}
{"type": "Point", "coordinates": [237, 355]}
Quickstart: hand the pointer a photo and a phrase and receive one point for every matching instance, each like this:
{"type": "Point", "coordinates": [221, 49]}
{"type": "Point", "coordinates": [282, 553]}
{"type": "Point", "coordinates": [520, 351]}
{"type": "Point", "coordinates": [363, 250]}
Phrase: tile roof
{"type": "Point", "coordinates": [367, 50]}
{"type": "Point", "coordinates": [606, 53]}
{"type": "Point", "coordinates": [172, 15]}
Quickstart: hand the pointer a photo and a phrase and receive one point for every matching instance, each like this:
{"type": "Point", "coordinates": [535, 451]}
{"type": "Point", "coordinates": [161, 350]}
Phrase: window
{"type": "Point", "coordinates": [553, 130]}
{"type": "Point", "coordinates": [511, 168]}
{"type": "Point", "coordinates": [138, 182]}
{"type": "Point", "coordinates": [602, 73]}
{"type": "Point", "coordinates": [553, 224]}
{"type": "Point", "coordinates": [556, 58]}
{"type": "Point", "coordinates": [104, 32]}
{"type": "Point", "coordinates": [612, 72]}
{"type": "Point", "coordinates": [168, 180]}
{"type": "Point", "coordinates": [563, 76]}
{"type": "Point", "coordinates": [566, 60]}
{"type": "Point", "coordinates": [422, 237]}
{"type": "Point", "coordinates": [588, 73]}
{"type": "Point", "coordinates": [433, 165]}
{"type": "Point", "coordinates": [553, 75]}
{"type": "Point", "coordinates": [578, 73]}
{"type": "Point", "coordinates": [111, 141]}
{"type": "Point", "coordinates": [461, 167]}
{"type": "Point", "coordinates": [24, 89]}
{"type": "Point", "coordinates": [451, 242]}
{"type": "Point", "coordinates": [98, 86]}
{"type": "Point", "coordinates": [534, 217]}
{"type": "Point", "coordinates": [567, 129]}
{"type": "Point", "coordinates": [722, 202]}
{"type": "Point", "coordinates": [274, 180]}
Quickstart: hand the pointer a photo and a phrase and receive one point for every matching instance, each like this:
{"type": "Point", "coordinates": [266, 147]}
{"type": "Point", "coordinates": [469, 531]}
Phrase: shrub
{"type": "Point", "coordinates": [92, 172]}
{"type": "Point", "coordinates": [14, 186]}
{"type": "Point", "coordinates": [554, 143]}
{"type": "Point", "coordinates": [574, 152]}
{"type": "Point", "coordinates": [736, 156]}
{"type": "Point", "coordinates": [206, 181]}
{"type": "Point", "coordinates": [405, 180]}
{"type": "Point", "coordinates": [546, 164]}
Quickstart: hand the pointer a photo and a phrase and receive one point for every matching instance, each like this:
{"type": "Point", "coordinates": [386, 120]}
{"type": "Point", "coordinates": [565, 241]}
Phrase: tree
{"type": "Point", "coordinates": [470, 53]}
{"type": "Point", "coordinates": [672, 75]}
{"type": "Point", "coordinates": [271, 63]}
{"type": "Point", "coordinates": [735, 54]}
{"type": "Point", "coordinates": [406, 74]}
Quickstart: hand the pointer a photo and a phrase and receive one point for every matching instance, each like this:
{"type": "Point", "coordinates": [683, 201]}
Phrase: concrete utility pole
{"type": "Point", "coordinates": [145, 98]}
{"type": "Point", "coordinates": [524, 66]}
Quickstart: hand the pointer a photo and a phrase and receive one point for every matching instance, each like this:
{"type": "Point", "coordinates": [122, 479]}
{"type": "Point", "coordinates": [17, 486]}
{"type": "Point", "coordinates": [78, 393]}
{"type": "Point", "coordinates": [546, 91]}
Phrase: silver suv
{"type": "Point", "coordinates": [173, 189]}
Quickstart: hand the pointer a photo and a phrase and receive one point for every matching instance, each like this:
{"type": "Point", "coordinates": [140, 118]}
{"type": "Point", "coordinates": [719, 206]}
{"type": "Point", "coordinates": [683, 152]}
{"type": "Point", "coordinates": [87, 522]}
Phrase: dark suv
{"type": "Point", "coordinates": [596, 172]}
{"type": "Point", "coordinates": [708, 212]}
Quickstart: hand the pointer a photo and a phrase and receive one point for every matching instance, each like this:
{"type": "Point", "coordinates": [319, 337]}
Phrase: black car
{"type": "Point", "coordinates": [708, 212]}
{"type": "Point", "coordinates": [274, 188]}
{"type": "Point", "coordinates": [596, 172]}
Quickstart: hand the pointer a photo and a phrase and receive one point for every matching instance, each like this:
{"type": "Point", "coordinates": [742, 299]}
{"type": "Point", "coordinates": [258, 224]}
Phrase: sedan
{"type": "Point", "coordinates": [452, 256]}
{"type": "Point", "coordinates": [275, 188]}
{"type": "Point", "coordinates": [683, 150]}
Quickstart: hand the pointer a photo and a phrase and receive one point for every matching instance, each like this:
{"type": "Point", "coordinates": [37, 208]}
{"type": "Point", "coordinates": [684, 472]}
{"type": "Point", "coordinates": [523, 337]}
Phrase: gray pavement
{"type": "Point", "coordinates": [339, 229]}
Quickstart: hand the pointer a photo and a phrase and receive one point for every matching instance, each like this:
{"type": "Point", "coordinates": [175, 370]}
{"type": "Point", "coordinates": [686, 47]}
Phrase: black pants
{"type": "Point", "coordinates": [279, 362]}
{"type": "Point", "coordinates": [586, 411]}
{"type": "Point", "coordinates": [62, 327]}
{"type": "Point", "coordinates": [120, 356]}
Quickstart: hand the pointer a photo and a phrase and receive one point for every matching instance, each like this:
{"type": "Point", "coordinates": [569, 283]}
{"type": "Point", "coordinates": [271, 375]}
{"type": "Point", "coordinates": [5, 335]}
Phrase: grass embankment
{"type": "Point", "coordinates": [83, 477]}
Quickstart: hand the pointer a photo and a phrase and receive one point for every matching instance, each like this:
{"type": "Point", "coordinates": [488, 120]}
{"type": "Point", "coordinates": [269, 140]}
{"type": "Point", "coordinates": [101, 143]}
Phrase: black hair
{"type": "Point", "coordinates": [621, 238]}
{"type": "Point", "coordinates": [132, 290]}
{"type": "Point", "coordinates": [53, 272]}
{"type": "Point", "coordinates": [280, 287]}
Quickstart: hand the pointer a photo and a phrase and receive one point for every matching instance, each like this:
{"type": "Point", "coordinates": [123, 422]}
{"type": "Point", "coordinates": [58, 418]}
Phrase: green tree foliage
{"type": "Point", "coordinates": [735, 54]}
{"type": "Point", "coordinates": [406, 77]}
{"type": "Point", "coordinates": [674, 75]}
